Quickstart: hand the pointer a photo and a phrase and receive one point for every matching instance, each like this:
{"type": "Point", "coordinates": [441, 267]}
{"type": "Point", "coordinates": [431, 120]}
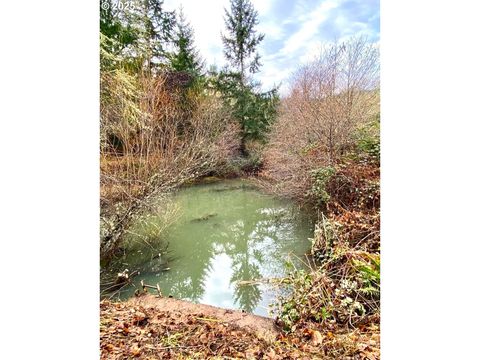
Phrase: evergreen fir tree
{"type": "Point", "coordinates": [185, 56]}
{"type": "Point", "coordinates": [254, 111]}
{"type": "Point", "coordinates": [242, 39]}
{"type": "Point", "coordinates": [158, 27]}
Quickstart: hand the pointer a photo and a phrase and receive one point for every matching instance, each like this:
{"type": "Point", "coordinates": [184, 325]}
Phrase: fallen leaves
{"type": "Point", "coordinates": [135, 351]}
{"type": "Point", "coordinates": [145, 333]}
{"type": "Point", "coordinates": [136, 332]}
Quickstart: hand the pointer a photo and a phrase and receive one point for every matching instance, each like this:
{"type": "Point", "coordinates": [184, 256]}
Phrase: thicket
{"type": "Point", "coordinates": [330, 100]}
{"type": "Point", "coordinates": [168, 144]}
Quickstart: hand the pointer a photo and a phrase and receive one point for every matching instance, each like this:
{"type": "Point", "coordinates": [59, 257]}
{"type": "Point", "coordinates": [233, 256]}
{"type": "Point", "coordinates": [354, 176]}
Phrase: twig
{"type": "Point", "coordinates": [157, 287]}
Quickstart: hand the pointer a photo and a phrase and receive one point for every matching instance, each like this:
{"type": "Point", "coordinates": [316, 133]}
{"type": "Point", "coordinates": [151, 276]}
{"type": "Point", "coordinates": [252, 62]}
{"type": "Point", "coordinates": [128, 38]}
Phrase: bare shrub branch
{"type": "Point", "coordinates": [329, 99]}
{"type": "Point", "coordinates": [155, 138]}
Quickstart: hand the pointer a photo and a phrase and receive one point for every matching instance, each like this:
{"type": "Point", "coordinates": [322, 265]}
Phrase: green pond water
{"type": "Point", "coordinates": [224, 232]}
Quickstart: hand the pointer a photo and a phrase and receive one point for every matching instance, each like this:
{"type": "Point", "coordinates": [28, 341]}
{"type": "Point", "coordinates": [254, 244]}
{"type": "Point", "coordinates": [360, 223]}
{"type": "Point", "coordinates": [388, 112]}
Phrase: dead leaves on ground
{"type": "Point", "coordinates": [134, 332]}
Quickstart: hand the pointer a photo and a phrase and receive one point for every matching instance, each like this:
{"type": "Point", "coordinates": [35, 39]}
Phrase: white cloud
{"type": "Point", "coordinates": [309, 27]}
{"type": "Point", "coordinates": [262, 6]}
{"type": "Point", "coordinates": [274, 76]}
{"type": "Point", "coordinates": [271, 29]}
{"type": "Point", "coordinates": [311, 51]}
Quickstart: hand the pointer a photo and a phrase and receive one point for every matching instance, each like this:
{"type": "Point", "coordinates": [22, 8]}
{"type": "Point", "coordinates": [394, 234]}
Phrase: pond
{"type": "Point", "coordinates": [225, 232]}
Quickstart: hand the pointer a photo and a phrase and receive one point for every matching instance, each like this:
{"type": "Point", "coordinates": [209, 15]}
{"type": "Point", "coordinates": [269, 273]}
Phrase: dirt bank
{"type": "Point", "coordinates": [261, 326]}
{"type": "Point", "coordinates": [152, 328]}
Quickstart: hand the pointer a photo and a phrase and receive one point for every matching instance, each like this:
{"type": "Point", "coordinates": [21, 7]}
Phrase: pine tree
{"type": "Point", "coordinates": [254, 111]}
{"type": "Point", "coordinates": [185, 57]}
{"type": "Point", "coordinates": [242, 39]}
{"type": "Point", "coordinates": [158, 26]}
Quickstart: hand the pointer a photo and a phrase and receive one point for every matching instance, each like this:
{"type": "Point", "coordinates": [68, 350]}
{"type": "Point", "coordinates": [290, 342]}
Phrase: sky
{"type": "Point", "coordinates": [294, 30]}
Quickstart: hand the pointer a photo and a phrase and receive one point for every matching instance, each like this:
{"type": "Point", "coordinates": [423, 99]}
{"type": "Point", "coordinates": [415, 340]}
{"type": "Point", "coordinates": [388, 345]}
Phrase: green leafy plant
{"type": "Point", "coordinates": [254, 111]}
{"type": "Point", "coordinates": [292, 307]}
{"type": "Point", "coordinates": [369, 272]}
{"type": "Point", "coordinates": [320, 178]}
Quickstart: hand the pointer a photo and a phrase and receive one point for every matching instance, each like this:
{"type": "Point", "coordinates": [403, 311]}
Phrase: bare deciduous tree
{"type": "Point", "coordinates": [329, 98]}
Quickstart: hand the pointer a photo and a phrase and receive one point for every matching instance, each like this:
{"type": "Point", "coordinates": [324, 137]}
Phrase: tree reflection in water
{"type": "Point", "coordinates": [245, 236]}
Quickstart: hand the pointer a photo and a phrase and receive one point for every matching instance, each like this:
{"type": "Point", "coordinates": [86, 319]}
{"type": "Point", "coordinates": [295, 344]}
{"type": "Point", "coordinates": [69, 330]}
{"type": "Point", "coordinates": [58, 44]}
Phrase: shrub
{"type": "Point", "coordinates": [344, 290]}
{"type": "Point", "coordinates": [329, 99]}
{"type": "Point", "coordinates": [293, 307]}
{"type": "Point", "coordinates": [320, 179]}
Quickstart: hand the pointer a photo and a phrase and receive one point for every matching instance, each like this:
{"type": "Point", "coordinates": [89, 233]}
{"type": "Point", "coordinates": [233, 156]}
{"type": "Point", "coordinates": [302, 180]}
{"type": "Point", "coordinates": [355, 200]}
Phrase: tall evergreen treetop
{"type": "Point", "coordinates": [240, 42]}
{"type": "Point", "coordinates": [158, 26]}
{"type": "Point", "coordinates": [185, 56]}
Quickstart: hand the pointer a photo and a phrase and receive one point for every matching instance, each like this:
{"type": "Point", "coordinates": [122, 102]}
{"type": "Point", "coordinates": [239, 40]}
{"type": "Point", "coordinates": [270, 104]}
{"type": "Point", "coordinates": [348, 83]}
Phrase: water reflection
{"type": "Point", "coordinates": [222, 237]}
{"type": "Point", "coordinates": [245, 265]}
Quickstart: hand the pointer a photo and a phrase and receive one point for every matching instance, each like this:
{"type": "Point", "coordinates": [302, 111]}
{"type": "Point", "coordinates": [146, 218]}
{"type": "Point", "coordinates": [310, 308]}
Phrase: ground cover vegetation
{"type": "Point", "coordinates": [165, 121]}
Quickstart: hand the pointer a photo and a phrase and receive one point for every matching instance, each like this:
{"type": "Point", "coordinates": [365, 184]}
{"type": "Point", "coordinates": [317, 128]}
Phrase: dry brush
{"type": "Point", "coordinates": [155, 136]}
{"type": "Point", "coordinates": [329, 99]}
